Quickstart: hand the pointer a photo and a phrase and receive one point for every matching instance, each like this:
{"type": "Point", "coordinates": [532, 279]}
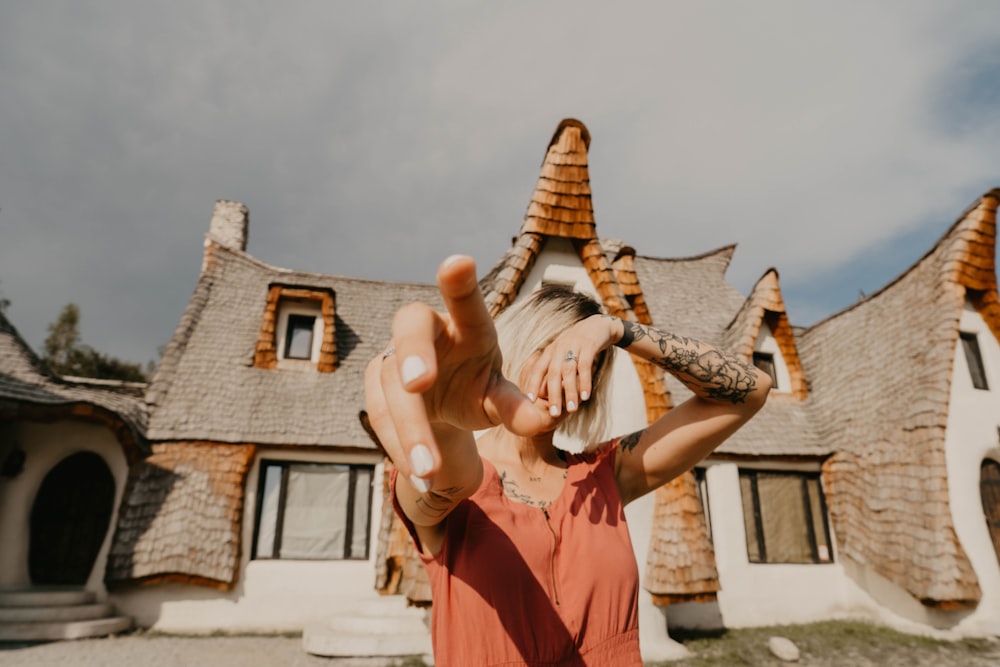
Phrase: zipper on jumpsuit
{"type": "Point", "coordinates": [552, 557]}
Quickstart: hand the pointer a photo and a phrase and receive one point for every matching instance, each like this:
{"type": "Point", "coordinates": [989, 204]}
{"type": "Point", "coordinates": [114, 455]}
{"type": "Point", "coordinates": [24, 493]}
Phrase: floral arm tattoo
{"type": "Point", "coordinates": [705, 370]}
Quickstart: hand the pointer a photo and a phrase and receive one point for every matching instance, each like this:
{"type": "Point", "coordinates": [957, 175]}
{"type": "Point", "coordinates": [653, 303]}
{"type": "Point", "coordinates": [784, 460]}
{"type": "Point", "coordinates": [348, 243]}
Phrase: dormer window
{"type": "Point", "coordinates": [974, 360]}
{"type": "Point", "coordinates": [767, 357]}
{"type": "Point", "coordinates": [298, 330]}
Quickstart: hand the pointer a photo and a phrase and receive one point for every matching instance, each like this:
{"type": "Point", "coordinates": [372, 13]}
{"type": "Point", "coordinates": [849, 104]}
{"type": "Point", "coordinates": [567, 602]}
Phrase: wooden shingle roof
{"type": "Point", "coordinates": [211, 387]}
{"type": "Point", "coordinates": [29, 390]}
{"type": "Point", "coordinates": [181, 516]}
{"type": "Point", "coordinates": [766, 306]}
{"type": "Point", "coordinates": [885, 412]}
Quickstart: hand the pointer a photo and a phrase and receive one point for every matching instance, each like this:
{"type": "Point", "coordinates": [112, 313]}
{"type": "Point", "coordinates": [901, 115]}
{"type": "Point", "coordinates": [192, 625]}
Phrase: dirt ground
{"type": "Point", "coordinates": [833, 644]}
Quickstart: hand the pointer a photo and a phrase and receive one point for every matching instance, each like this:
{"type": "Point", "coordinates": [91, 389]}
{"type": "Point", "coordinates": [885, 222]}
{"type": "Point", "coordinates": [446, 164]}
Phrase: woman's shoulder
{"type": "Point", "coordinates": [603, 452]}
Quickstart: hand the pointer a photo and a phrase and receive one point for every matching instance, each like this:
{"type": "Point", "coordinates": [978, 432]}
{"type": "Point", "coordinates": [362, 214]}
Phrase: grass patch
{"type": "Point", "coordinates": [829, 643]}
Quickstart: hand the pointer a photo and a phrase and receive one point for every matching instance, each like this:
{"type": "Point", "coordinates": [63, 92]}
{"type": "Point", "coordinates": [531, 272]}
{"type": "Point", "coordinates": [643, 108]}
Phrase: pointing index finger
{"type": "Point", "coordinates": [460, 291]}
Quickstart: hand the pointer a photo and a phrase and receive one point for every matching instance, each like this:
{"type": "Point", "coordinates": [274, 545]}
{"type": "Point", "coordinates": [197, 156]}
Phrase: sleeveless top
{"type": "Point", "coordinates": [519, 585]}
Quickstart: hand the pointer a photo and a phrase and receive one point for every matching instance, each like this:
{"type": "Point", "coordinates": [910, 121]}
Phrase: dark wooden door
{"type": "Point", "coordinates": [69, 520]}
{"type": "Point", "coordinates": [989, 488]}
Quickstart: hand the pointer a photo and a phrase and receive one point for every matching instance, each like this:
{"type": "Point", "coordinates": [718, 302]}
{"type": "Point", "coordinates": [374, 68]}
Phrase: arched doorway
{"type": "Point", "coordinates": [989, 489]}
{"type": "Point", "coordinates": [69, 520]}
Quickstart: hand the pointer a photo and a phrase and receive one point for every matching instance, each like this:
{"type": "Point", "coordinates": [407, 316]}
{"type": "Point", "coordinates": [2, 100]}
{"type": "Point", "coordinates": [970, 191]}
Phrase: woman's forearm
{"type": "Point", "coordinates": [706, 370]}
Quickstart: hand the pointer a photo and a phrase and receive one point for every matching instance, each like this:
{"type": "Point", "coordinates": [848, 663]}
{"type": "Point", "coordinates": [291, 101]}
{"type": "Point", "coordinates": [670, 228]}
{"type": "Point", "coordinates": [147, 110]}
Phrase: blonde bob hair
{"type": "Point", "coordinates": [528, 326]}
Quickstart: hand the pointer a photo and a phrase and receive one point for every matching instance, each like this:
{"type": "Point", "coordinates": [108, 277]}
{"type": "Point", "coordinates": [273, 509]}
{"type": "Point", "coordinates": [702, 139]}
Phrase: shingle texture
{"type": "Point", "coordinates": [29, 390]}
{"type": "Point", "coordinates": [207, 387]}
{"type": "Point", "coordinates": [181, 517]}
{"type": "Point", "coordinates": [879, 374]}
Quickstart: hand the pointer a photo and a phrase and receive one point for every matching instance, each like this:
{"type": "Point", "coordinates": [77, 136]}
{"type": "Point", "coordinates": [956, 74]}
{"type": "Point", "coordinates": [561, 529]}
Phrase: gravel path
{"type": "Point", "coordinates": [257, 651]}
{"type": "Point", "coordinates": [163, 651]}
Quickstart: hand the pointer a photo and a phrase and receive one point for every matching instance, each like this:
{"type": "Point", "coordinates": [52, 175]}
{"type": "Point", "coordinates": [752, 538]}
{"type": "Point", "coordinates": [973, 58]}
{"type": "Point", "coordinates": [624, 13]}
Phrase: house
{"type": "Point", "coordinates": [867, 487]}
{"type": "Point", "coordinates": [66, 446]}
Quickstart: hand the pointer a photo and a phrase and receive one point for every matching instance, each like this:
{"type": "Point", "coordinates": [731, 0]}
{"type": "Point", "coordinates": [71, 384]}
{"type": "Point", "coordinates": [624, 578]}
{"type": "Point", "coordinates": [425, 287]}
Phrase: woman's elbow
{"type": "Point", "coordinates": [757, 396]}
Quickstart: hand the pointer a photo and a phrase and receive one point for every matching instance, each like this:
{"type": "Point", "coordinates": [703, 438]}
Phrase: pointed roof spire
{"type": "Point", "coordinates": [561, 204]}
{"type": "Point", "coordinates": [766, 306]}
{"type": "Point", "coordinates": [973, 241]}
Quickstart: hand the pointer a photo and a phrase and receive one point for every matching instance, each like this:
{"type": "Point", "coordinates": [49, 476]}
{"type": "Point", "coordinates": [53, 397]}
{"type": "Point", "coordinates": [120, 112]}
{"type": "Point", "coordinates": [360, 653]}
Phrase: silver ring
{"type": "Point", "coordinates": [570, 356]}
{"type": "Point", "coordinates": [389, 352]}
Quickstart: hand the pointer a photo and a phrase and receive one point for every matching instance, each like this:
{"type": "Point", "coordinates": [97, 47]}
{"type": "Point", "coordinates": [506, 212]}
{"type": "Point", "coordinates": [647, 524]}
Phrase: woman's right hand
{"type": "Point", "coordinates": [441, 378]}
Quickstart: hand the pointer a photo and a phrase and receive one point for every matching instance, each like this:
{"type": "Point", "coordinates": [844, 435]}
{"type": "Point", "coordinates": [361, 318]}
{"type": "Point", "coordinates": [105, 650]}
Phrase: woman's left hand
{"type": "Point", "coordinates": [562, 373]}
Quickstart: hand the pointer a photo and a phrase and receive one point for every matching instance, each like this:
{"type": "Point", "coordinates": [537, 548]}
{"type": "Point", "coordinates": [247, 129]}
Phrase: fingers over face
{"type": "Point", "coordinates": [505, 404]}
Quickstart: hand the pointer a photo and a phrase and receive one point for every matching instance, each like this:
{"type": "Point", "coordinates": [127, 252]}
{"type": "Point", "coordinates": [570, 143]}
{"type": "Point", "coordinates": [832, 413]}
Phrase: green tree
{"type": "Point", "coordinates": [67, 355]}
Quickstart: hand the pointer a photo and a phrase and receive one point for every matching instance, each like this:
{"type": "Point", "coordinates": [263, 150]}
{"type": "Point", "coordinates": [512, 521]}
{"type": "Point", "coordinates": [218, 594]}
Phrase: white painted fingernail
{"type": "Point", "coordinates": [421, 460]}
{"type": "Point", "coordinates": [451, 260]}
{"type": "Point", "coordinates": [584, 395]}
{"type": "Point", "coordinates": [531, 397]}
{"type": "Point", "coordinates": [554, 410]}
{"type": "Point", "coordinates": [571, 406]}
{"type": "Point", "coordinates": [413, 367]}
{"type": "Point", "coordinates": [420, 484]}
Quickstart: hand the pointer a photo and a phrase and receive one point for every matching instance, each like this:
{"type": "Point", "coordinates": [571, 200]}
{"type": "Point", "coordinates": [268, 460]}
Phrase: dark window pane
{"type": "Point", "coordinates": [362, 501]}
{"type": "Point", "coordinates": [785, 517]}
{"type": "Point", "coordinates": [989, 490]}
{"type": "Point", "coordinates": [765, 362]}
{"type": "Point", "coordinates": [750, 518]}
{"type": "Point", "coordinates": [974, 360]}
{"type": "Point", "coordinates": [299, 337]}
{"type": "Point", "coordinates": [701, 482]}
{"type": "Point", "coordinates": [818, 520]}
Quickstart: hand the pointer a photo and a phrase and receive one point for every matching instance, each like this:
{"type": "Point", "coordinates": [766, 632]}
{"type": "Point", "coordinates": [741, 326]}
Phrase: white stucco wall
{"type": "Point", "coordinates": [754, 594]}
{"type": "Point", "coordinates": [271, 595]}
{"type": "Point", "coordinates": [45, 445]}
{"type": "Point", "coordinates": [972, 435]}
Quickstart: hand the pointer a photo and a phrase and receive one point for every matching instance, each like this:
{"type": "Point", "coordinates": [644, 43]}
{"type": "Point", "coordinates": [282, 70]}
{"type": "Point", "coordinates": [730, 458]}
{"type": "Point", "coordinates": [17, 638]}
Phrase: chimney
{"type": "Point", "coordinates": [229, 227]}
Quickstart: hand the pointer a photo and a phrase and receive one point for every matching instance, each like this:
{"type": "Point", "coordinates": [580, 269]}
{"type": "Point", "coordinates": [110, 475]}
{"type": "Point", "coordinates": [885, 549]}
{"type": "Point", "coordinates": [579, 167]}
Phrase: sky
{"type": "Point", "coordinates": [835, 142]}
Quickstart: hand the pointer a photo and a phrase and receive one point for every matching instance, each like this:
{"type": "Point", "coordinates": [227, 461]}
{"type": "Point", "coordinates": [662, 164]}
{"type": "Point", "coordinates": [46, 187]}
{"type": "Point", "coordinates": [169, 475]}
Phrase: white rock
{"type": "Point", "coordinates": [784, 649]}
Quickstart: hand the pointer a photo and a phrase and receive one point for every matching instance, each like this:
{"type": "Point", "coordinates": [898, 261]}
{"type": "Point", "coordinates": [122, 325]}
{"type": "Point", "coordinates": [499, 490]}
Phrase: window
{"type": "Point", "coordinates": [300, 330]}
{"type": "Point", "coordinates": [313, 511]}
{"type": "Point", "coordinates": [701, 483]}
{"type": "Point", "coordinates": [974, 359]}
{"type": "Point", "coordinates": [299, 336]}
{"type": "Point", "coordinates": [765, 362]}
{"type": "Point", "coordinates": [785, 517]}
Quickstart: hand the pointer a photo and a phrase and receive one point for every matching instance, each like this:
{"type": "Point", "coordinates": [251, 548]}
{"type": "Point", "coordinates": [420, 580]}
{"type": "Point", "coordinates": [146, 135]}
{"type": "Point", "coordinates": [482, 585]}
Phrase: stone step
{"type": "Point", "coordinates": [80, 612]}
{"type": "Point", "coordinates": [398, 623]}
{"type": "Point", "coordinates": [45, 597]}
{"type": "Point", "coordinates": [381, 627]}
{"type": "Point", "coordinates": [321, 640]}
{"type": "Point", "coordinates": [99, 627]}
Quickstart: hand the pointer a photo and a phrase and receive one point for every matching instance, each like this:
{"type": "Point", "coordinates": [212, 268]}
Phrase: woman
{"type": "Point", "coordinates": [525, 545]}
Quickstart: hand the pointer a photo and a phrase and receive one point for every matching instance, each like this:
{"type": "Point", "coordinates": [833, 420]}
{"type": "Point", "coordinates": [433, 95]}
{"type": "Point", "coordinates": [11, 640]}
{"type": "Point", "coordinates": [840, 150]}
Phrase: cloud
{"type": "Point", "coordinates": [373, 139]}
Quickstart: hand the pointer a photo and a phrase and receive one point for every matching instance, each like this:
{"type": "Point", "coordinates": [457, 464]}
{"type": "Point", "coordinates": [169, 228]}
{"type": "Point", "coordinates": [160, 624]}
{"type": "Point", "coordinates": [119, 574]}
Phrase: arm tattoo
{"type": "Point", "coordinates": [438, 502]}
{"type": "Point", "coordinates": [704, 369]}
{"type": "Point", "coordinates": [628, 442]}
{"type": "Point", "coordinates": [630, 332]}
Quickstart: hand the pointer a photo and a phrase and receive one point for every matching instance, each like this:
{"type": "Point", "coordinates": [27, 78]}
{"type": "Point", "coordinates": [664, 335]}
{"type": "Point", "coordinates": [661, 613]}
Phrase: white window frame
{"type": "Point", "coordinates": [305, 307]}
{"type": "Point", "coordinates": [767, 344]}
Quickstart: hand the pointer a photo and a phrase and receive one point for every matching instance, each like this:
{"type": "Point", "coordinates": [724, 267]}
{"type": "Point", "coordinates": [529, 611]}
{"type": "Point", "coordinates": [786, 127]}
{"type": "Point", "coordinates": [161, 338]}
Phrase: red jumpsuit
{"type": "Point", "coordinates": [518, 585]}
